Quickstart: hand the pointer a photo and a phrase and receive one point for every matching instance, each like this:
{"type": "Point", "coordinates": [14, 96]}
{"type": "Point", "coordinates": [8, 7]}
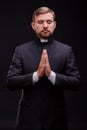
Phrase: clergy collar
{"type": "Point", "coordinates": [43, 40]}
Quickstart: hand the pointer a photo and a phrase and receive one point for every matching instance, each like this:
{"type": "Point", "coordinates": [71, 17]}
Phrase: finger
{"type": "Point", "coordinates": [44, 52]}
{"type": "Point", "coordinates": [43, 56]}
{"type": "Point", "coordinates": [47, 59]}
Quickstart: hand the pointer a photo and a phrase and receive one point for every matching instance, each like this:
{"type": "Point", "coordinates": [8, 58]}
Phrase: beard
{"type": "Point", "coordinates": [45, 34]}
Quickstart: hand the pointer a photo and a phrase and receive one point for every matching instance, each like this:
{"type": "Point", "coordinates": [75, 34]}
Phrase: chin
{"type": "Point", "coordinates": [44, 37]}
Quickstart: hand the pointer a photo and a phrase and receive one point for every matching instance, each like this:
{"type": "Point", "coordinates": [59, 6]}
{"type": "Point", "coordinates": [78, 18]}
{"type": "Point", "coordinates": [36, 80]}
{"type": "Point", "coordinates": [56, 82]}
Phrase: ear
{"type": "Point", "coordinates": [55, 23]}
{"type": "Point", "coordinates": [33, 25]}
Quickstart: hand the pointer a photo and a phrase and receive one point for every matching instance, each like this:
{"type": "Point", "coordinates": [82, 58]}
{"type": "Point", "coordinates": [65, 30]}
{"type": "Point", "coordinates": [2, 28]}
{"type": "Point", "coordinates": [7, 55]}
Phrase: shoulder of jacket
{"type": "Point", "coordinates": [62, 44]}
{"type": "Point", "coordinates": [24, 45]}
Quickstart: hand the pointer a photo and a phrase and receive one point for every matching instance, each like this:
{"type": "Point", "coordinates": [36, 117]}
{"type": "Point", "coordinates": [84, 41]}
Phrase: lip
{"type": "Point", "coordinates": [45, 31]}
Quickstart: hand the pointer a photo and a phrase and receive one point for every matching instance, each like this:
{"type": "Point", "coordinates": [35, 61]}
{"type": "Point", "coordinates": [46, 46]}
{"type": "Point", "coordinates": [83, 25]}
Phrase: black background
{"type": "Point", "coordinates": [15, 29]}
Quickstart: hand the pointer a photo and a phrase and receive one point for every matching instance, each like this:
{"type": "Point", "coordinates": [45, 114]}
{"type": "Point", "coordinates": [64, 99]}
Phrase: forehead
{"type": "Point", "coordinates": [47, 16]}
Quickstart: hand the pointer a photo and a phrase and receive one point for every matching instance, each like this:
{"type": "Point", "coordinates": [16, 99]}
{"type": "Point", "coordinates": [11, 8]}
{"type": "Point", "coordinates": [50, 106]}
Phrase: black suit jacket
{"type": "Point", "coordinates": [42, 104]}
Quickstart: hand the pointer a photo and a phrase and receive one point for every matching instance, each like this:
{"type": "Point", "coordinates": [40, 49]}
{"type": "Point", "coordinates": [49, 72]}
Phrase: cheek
{"type": "Point", "coordinates": [52, 28]}
{"type": "Point", "coordinates": [38, 28]}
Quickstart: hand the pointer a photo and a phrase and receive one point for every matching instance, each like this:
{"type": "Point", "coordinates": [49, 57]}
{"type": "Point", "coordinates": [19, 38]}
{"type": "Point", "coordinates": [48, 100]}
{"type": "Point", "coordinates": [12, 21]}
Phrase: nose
{"type": "Point", "coordinates": [45, 24]}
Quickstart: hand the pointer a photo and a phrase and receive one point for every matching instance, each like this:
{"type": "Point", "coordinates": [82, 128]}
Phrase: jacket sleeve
{"type": "Point", "coordinates": [15, 77]}
{"type": "Point", "coordinates": [71, 77]}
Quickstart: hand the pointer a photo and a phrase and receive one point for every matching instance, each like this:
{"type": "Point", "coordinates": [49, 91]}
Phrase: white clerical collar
{"type": "Point", "coordinates": [44, 40]}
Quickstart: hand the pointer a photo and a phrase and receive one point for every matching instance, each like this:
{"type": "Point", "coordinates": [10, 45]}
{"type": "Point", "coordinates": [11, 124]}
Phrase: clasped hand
{"type": "Point", "coordinates": [44, 66]}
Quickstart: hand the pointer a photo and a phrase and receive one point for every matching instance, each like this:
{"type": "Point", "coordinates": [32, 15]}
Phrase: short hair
{"type": "Point", "coordinates": [43, 10]}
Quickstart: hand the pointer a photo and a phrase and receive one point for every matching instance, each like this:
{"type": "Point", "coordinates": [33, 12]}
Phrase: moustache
{"type": "Point", "coordinates": [45, 30]}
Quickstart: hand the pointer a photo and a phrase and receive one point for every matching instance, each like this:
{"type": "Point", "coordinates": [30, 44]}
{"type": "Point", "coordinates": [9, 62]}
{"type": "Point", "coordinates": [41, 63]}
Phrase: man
{"type": "Point", "coordinates": [42, 69]}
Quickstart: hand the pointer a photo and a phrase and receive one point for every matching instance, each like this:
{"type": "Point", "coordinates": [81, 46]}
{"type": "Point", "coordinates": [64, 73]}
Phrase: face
{"type": "Point", "coordinates": [44, 25]}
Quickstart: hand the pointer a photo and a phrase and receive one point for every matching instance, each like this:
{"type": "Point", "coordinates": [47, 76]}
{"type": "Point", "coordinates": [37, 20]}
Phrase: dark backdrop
{"type": "Point", "coordinates": [15, 29]}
